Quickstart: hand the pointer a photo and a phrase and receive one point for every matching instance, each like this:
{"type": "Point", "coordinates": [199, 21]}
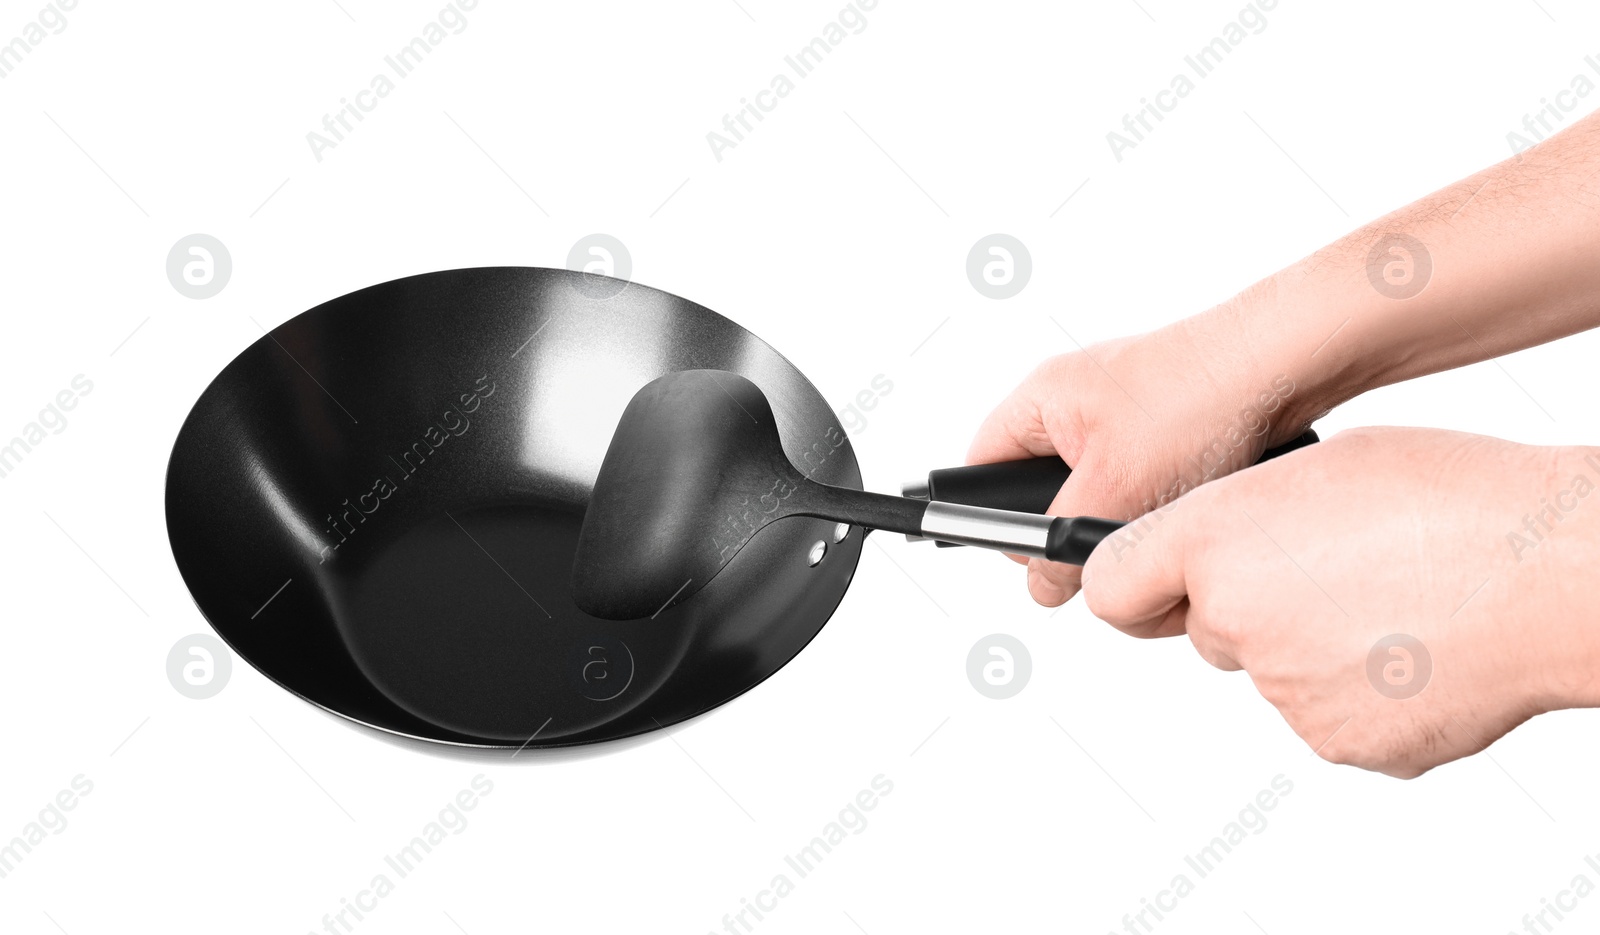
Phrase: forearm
{"type": "Point", "coordinates": [1500, 261]}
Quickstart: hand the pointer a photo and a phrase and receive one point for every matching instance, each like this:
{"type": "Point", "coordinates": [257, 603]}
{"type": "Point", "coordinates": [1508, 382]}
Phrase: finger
{"type": "Point", "coordinates": [1087, 492]}
{"type": "Point", "coordinates": [1047, 588]}
{"type": "Point", "coordinates": [1207, 644]}
{"type": "Point", "coordinates": [1137, 576]}
{"type": "Point", "coordinates": [1052, 583]}
{"type": "Point", "coordinates": [1174, 622]}
{"type": "Point", "coordinates": [1014, 430]}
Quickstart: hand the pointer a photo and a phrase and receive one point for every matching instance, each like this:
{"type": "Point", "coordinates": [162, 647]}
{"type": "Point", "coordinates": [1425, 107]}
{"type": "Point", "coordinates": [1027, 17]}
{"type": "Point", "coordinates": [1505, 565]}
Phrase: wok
{"type": "Point", "coordinates": [376, 506]}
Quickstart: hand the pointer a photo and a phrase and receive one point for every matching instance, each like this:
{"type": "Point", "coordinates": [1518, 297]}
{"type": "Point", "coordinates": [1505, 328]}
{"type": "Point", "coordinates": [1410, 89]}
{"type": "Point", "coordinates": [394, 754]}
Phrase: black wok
{"type": "Point", "coordinates": [376, 505]}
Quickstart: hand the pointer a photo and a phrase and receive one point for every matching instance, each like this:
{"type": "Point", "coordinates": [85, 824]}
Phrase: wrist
{"type": "Point", "coordinates": [1294, 329]}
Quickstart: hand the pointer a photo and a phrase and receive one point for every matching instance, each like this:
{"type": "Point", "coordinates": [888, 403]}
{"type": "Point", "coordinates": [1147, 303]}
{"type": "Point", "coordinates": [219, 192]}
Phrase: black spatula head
{"type": "Point", "coordinates": [695, 468]}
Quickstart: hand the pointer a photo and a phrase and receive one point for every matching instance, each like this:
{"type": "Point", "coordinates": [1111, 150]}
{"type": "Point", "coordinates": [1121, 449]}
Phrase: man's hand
{"type": "Point", "coordinates": [1403, 596]}
{"type": "Point", "coordinates": [1499, 261]}
{"type": "Point", "coordinates": [1142, 420]}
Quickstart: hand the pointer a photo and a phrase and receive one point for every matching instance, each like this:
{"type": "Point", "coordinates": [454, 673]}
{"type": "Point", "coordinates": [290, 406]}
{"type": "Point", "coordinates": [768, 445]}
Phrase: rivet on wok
{"type": "Point", "coordinates": [840, 532]}
{"type": "Point", "coordinates": [817, 551]}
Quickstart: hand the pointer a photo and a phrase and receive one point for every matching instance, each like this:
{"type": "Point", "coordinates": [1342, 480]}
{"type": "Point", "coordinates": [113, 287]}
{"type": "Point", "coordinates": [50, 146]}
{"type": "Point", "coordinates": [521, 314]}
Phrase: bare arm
{"type": "Point", "coordinates": [1497, 262]}
{"type": "Point", "coordinates": [1500, 261]}
{"type": "Point", "coordinates": [1438, 593]}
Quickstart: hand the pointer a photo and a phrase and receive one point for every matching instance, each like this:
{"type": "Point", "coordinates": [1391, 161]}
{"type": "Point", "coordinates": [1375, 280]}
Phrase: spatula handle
{"type": "Point", "coordinates": [1072, 538]}
{"type": "Point", "coordinates": [1067, 539]}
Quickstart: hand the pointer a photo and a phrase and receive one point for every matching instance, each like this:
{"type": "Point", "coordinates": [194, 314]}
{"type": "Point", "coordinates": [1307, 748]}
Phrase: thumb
{"type": "Point", "coordinates": [1136, 579]}
{"type": "Point", "coordinates": [1086, 493]}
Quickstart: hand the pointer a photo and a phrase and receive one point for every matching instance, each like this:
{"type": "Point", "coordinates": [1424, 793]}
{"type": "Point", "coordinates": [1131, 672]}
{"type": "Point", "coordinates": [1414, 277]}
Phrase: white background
{"type": "Point", "coordinates": [252, 811]}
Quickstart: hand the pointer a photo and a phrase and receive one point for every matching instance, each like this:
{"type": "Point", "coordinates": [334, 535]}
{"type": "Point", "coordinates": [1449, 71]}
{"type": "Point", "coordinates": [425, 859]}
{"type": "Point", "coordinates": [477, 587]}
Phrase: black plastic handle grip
{"type": "Point", "coordinates": [1028, 485]}
{"type": "Point", "coordinates": [1072, 538]}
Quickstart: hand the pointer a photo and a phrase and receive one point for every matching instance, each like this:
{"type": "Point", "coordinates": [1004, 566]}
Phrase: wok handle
{"type": "Point", "coordinates": [1025, 486]}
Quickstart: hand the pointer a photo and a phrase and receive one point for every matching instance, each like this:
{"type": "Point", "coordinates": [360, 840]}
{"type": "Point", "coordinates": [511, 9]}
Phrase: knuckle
{"type": "Point", "coordinates": [1362, 435]}
{"type": "Point", "coordinates": [1101, 598]}
{"type": "Point", "coordinates": [1098, 487]}
{"type": "Point", "coordinates": [1208, 650]}
{"type": "Point", "coordinates": [1364, 753]}
{"type": "Point", "coordinates": [1338, 749]}
{"type": "Point", "coordinates": [1227, 632]}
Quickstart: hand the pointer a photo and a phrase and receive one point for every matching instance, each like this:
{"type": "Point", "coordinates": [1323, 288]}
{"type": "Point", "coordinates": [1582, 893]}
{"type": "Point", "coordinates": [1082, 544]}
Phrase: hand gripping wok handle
{"type": "Point", "coordinates": [1028, 485]}
{"type": "Point", "coordinates": [1066, 539]}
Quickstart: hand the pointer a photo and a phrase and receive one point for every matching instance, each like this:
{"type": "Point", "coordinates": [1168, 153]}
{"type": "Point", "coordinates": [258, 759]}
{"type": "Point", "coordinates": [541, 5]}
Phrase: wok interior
{"type": "Point", "coordinates": [403, 472]}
